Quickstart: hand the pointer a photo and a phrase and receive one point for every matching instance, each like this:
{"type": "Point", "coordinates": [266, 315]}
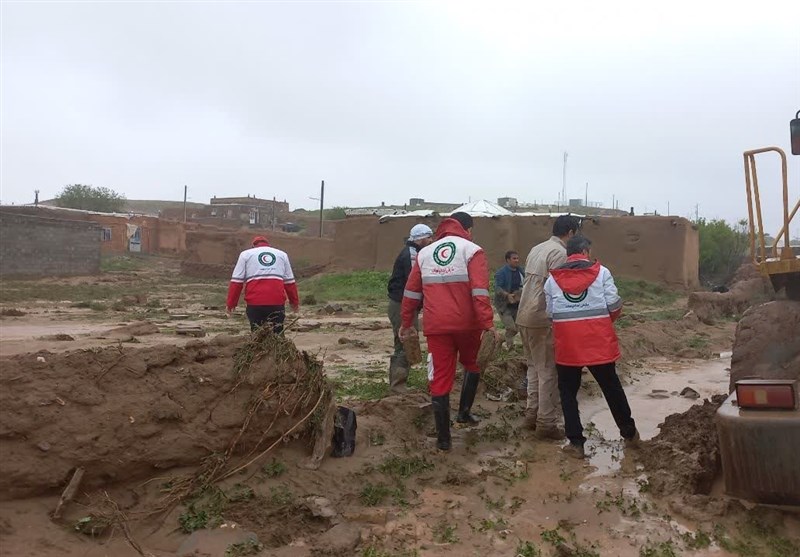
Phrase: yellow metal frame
{"type": "Point", "coordinates": [786, 261]}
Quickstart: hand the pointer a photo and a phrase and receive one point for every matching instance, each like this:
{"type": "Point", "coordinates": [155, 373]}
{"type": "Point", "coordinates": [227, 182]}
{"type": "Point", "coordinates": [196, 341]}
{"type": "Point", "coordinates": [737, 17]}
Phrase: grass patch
{"type": "Point", "coordinates": [372, 495]}
{"type": "Point", "coordinates": [353, 383]}
{"type": "Point", "coordinates": [662, 549]}
{"type": "Point", "coordinates": [361, 286]}
{"type": "Point", "coordinates": [240, 549]}
{"type": "Point", "coordinates": [404, 467]}
{"type": "Point", "coordinates": [645, 293]}
{"type": "Point", "coordinates": [697, 342]}
{"type": "Point", "coordinates": [120, 263]}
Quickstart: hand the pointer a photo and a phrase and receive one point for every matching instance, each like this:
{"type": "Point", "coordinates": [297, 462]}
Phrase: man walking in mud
{"type": "Point", "coordinates": [541, 412]}
{"type": "Point", "coordinates": [507, 290]}
{"type": "Point", "coordinates": [420, 236]}
{"type": "Point", "coordinates": [266, 276]}
{"type": "Point", "coordinates": [583, 302]}
{"type": "Point", "coordinates": [451, 280]}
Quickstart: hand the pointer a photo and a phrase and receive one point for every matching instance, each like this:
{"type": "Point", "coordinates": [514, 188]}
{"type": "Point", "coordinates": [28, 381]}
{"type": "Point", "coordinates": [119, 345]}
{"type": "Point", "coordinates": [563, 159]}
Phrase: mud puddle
{"type": "Point", "coordinates": [653, 395]}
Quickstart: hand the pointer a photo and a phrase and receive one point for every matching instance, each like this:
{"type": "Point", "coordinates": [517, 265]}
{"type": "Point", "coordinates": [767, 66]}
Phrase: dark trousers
{"type": "Point", "coordinates": [569, 382]}
{"type": "Point", "coordinates": [258, 315]}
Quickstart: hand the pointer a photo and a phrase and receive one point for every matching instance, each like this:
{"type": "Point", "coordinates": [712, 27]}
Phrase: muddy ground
{"type": "Point", "coordinates": [499, 492]}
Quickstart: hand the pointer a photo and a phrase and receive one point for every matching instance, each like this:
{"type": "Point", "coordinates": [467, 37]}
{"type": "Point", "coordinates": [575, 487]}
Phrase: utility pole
{"type": "Point", "coordinates": [668, 213]}
{"type": "Point", "coordinates": [613, 201]}
{"type": "Point", "coordinates": [564, 180]}
{"type": "Point", "coordinates": [185, 191]}
{"type": "Point", "coordinates": [321, 205]}
{"type": "Point", "coordinates": [697, 213]}
{"type": "Point", "coordinates": [586, 201]}
{"type": "Point", "coordinates": [36, 200]}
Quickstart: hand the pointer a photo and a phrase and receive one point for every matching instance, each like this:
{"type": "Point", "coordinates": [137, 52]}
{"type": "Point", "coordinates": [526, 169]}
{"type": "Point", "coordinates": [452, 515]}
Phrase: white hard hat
{"type": "Point", "coordinates": [420, 231]}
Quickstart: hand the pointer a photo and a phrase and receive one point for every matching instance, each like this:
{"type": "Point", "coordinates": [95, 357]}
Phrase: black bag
{"type": "Point", "coordinates": [344, 433]}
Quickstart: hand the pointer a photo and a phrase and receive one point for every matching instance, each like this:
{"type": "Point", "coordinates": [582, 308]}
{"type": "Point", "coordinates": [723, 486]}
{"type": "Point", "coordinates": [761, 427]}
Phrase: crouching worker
{"type": "Point", "coordinates": [451, 279]}
{"type": "Point", "coordinates": [266, 276]}
{"type": "Point", "coordinates": [583, 303]}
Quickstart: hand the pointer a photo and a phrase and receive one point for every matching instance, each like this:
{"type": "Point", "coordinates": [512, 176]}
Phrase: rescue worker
{"type": "Point", "coordinates": [420, 236]}
{"type": "Point", "coordinates": [507, 289]}
{"type": "Point", "coordinates": [451, 280]}
{"type": "Point", "coordinates": [541, 412]}
{"type": "Point", "coordinates": [266, 275]}
{"type": "Point", "coordinates": [583, 302]}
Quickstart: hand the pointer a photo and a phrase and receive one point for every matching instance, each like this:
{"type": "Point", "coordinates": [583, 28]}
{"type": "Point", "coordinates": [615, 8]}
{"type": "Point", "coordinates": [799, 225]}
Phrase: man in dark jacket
{"type": "Point", "coordinates": [420, 236]}
{"type": "Point", "coordinates": [507, 290]}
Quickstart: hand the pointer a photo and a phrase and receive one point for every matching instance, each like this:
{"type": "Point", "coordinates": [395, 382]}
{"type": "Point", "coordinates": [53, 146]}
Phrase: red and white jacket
{"type": "Point", "coordinates": [451, 277]}
{"type": "Point", "coordinates": [266, 276]}
{"type": "Point", "coordinates": [583, 302]}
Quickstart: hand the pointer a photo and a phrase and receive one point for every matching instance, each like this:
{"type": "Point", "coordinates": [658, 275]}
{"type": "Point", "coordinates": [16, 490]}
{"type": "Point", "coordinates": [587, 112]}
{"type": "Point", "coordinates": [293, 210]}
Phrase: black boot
{"type": "Point", "coordinates": [468, 390]}
{"type": "Point", "coordinates": [441, 415]}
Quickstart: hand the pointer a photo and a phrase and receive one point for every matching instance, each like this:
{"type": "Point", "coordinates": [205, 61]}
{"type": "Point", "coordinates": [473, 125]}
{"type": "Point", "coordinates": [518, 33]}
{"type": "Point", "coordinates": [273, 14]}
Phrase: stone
{"type": "Point", "coordinates": [320, 507]}
{"type": "Point", "coordinates": [689, 392]}
{"type": "Point", "coordinates": [341, 539]}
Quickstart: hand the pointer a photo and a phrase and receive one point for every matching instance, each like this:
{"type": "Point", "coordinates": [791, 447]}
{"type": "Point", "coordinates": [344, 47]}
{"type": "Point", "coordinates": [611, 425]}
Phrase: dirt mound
{"type": "Point", "coordinates": [504, 376]}
{"type": "Point", "coordinates": [124, 413]}
{"type": "Point", "coordinates": [767, 344]}
{"type": "Point", "coordinates": [747, 289]}
{"type": "Point", "coordinates": [139, 328]}
{"type": "Point", "coordinates": [685, 338]}
{"type": "Point", "coordinates": [684, 457]}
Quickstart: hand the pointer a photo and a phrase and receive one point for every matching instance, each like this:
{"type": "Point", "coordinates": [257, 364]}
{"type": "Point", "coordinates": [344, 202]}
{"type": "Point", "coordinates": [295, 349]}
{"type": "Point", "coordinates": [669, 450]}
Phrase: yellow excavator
{"type": "Point", "coordinates": [758, 425]}
{"type": "Point", "coordinates": [780, 263]}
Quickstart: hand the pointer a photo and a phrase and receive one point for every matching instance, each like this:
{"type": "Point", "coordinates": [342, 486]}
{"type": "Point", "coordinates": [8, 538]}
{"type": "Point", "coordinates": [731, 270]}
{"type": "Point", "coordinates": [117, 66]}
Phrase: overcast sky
{"type": "Point", "coordinates": [390, 100]}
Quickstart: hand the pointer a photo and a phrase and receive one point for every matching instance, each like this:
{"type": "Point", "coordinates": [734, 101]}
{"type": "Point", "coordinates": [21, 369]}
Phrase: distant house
{"type": "Point", "coordinates": [232, 210]}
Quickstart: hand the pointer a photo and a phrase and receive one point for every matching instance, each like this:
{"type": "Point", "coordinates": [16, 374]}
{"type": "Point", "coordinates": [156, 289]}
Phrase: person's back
{"type": "Point", "coordinates": [541, 259]}
{"type": "Point", "coordinates": [541, 412]}
{"type": "Point", "coordinates": [451, 280]}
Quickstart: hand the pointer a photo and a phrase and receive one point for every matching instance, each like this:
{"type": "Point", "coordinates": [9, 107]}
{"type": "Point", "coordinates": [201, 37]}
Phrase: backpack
{"type": "Point", "coordinates": [344, 432]}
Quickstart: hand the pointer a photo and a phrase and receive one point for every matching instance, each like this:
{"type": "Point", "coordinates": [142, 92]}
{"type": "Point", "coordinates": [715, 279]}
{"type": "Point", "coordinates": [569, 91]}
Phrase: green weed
{"type": "Point", "coordinates": [274, 469]}
{"type": "Point", "coordinates": [280, 496]}
{"type": "Point", "coordinates": [662, 549]}
{"type": "Point", "coordinates": [240, 549]}
{"type": "Point", "coordinates": [404, 467]}
{"type": "Point", "coordinates": [553, 537]}
{"type": "Point", "coordinates": [527, 549]}
{"type": "Point", "coordinates": [372, 495]}
{"type": "Point", "coordinates": [445, 533]}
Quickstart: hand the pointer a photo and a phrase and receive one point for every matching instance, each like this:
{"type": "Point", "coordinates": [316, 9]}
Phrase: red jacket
{"type": "Point", "coordinates": [452, 277]}
{"type": "Point", "coordinates": [266, 276]}
{"type": "Point", "coordinates": [583, 302]}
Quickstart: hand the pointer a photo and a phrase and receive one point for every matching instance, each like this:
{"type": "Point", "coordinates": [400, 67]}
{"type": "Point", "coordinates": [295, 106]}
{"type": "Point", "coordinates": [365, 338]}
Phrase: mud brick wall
{"type": "Point", "coordinates": [46, 247]}
{"type": "Point", "coordinates": [665, 250]}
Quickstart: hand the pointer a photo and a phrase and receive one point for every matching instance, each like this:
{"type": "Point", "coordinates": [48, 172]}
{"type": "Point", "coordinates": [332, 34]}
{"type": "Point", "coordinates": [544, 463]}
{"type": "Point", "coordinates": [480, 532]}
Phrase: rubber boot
{"type": "Point", "coordinates": [441, 415]}
{"type": "Point", "coordinates": [398, 375]}
{"type": "Point", "coordinates": [468, 390]}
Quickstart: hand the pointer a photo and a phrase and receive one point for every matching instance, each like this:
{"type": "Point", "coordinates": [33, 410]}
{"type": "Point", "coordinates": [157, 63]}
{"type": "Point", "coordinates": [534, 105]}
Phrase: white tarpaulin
{"type": "Point", "coordinates": [420, 213]}
{"type": "Point", "coordinates": [483, 208]}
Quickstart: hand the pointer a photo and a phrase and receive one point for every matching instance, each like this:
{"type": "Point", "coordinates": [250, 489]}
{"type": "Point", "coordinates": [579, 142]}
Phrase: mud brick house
{"type": "Point", "coordinates": [232, 212]}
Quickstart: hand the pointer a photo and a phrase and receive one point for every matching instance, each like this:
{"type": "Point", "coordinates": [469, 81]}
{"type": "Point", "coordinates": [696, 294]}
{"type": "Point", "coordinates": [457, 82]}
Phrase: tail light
{"type": "Point", "coordinates": [767, 393]}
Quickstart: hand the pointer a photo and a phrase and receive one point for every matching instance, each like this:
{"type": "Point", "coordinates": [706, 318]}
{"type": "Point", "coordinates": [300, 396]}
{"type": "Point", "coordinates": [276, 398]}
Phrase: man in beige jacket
{"type": "Point", "coordinates": [542, 409]}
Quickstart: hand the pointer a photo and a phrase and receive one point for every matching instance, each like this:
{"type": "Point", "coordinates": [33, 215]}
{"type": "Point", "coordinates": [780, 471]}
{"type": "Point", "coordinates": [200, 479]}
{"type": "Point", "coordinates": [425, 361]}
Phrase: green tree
{"type": "Point", "coordinates": [722, 249]}
{"type": "Point", "coordinates": [90, 198]}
